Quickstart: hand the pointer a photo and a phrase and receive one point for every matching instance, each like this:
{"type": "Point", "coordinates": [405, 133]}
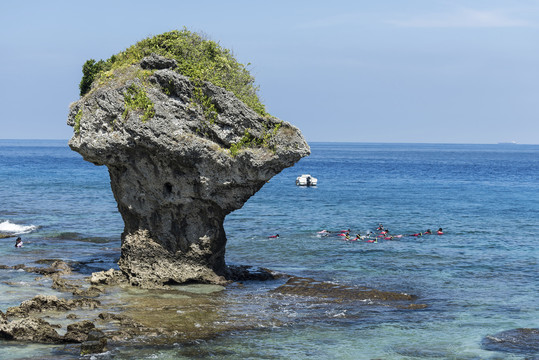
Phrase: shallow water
{"type": "Point", "coordinates": [478, 279]}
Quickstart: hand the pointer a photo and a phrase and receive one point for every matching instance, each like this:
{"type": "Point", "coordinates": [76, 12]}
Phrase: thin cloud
{"type": "Point", "coordinates": [464, 18]}
{"type": "Point", "coordinates": [331, 21]}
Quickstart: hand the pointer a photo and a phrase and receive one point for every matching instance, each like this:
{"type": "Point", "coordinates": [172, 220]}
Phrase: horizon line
{"type": "Point", "coordinates": [343, 142]}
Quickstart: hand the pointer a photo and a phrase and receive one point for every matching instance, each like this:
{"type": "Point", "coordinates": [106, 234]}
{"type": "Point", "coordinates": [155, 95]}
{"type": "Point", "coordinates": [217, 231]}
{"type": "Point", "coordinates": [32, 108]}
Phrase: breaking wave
{"type": "Point", "coordinates": [8, 227]}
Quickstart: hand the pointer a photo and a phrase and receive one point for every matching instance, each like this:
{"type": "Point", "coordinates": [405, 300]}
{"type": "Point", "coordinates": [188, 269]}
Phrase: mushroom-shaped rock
{"type": "Point", "coordinates": [178, 166]}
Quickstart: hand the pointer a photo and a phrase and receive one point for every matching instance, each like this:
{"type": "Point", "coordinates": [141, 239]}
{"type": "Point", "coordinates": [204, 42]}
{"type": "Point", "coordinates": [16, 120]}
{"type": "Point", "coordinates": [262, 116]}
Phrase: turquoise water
{"type": "Point", "coordinates": [478, 279]}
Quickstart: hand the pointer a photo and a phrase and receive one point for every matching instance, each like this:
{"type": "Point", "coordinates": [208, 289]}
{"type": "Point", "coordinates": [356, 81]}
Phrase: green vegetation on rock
{"type": "Point", "coordinates": [90, 70]}
{"type": "Point", "coordinates": [78, 117]}
{"type": "Point", "coordinates": [136, 99]}
{"type": "Point", "coordinates": [198, 58]}
{"type": "Point", "coordinates": [250, 141]}
{"type": "Point", "coordinates": [210, 112]}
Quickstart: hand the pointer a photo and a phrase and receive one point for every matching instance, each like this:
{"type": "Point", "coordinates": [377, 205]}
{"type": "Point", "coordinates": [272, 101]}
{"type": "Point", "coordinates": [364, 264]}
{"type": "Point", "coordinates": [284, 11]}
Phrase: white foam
{"type": "Point", "coordinates": [15, 229]}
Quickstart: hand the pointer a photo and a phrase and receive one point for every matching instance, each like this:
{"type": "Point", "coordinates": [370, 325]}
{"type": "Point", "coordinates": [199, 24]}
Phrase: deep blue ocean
{"type": "Point", "coordinates": [479, 278]}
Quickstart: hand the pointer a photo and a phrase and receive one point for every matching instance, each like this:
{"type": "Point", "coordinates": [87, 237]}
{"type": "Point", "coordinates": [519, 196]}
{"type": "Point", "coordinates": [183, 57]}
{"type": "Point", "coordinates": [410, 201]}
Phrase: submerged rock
{"type": "Point", "coordinates": [55, 268]}
{"type": "Point", "coordinates": [520, 341]}
{"type": "Point", "coordinates": [64, 285]}
{"type": "Point", "coordinates": [176, 168]}
{"type": "Point", "coordinates": [93, 346]}
{"type": "Point", "coordinates": [91, 292]}
{"type": "Point", "coordinates": [246, 272]}
{"type": "Point", "coordinates": [61, 267]}
{"type": "Point", "coordinates": [303, 286]}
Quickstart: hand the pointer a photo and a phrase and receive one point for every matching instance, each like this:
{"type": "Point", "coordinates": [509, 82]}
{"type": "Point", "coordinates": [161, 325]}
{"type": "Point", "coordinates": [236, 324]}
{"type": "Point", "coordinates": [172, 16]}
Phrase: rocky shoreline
{"type": "Point", "coordinates": [104, 312]}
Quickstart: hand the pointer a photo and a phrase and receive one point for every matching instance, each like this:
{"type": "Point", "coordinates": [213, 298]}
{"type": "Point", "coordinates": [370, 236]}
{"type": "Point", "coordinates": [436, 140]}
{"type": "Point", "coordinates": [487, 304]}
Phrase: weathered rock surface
{"type": "Point", "coordinates": [157, 62]}
{"type": "Point", "coordinates": [30, 329]}
{"type": "Point", "coordinates": [49, 303]}
{"type": "Point", "coordinates": [173, 176]}
{"type": "Point", "coordinates": [109, 277]}
{"type": "Point", "coordinates": [34, 329]}
{"type": "Point", "coordinates": [78, 332]}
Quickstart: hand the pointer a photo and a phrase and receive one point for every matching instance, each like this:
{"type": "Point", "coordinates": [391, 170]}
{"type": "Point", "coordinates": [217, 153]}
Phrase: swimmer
{"type": "Point", "coordinates": [440, 231]}
{"type": "Point", "coordinates": [273, 236]}
{"type": "Point", "coordinates": [344, 232]}
{"type": "Point", "coordinates": [18, 242]}
{"type": "Point", "coordinates": [428, 232]}
{"type": "Point", "coordinates": [324, 233]}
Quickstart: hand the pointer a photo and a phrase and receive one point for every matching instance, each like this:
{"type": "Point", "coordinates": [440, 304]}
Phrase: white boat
{"type": "Point", "coordinates": [306, 180]}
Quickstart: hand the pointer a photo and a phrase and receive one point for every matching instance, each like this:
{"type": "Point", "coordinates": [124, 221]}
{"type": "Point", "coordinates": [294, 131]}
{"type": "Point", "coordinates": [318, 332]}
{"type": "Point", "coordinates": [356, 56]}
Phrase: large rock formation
{"type": "Point", "coordinates": [176, 168]}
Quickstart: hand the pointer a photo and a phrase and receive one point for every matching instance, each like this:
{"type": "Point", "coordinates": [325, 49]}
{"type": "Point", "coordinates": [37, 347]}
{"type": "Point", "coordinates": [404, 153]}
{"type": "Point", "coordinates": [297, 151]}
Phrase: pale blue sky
{"type": "Point", "coordinates": [365, 71]}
